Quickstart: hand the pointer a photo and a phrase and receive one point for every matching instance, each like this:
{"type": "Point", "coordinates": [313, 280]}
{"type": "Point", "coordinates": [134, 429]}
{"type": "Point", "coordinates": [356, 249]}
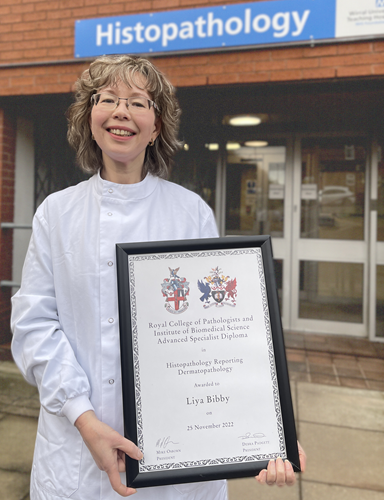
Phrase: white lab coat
{"type": "Point", "coordinates": [65, 322]}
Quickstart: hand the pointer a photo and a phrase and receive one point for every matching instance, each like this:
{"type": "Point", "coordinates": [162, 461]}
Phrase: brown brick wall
{"type": "Point", "coordinates": [263, 65]}
{"type": "Point", "coordinates": [277, 64]}
{"type": "Point", "coordinates": [7, 178]}
{"type": "Point", "coordinates": [34, 31]}
{"type": "Point", "coordinates": [41, 30]}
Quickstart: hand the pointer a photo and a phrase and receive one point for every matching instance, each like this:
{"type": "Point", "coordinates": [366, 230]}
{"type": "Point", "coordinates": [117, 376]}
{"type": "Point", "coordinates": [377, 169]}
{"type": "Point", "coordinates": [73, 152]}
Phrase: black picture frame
{"type": "Point", "coordinates": [130, 358]}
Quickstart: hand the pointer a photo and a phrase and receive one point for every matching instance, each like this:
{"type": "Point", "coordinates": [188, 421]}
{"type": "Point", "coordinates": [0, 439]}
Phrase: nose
{"type": "Point", "coordinates": [122, 110]}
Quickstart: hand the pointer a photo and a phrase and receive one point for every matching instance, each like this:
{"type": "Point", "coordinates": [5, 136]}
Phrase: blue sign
{"type": "Point", "coordinates": [246, 24]}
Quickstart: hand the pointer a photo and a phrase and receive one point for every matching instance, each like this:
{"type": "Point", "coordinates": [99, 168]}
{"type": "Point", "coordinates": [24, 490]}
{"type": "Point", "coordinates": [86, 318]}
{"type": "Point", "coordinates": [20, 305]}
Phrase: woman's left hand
{"type": "Point", "coordinates": [281, 473]}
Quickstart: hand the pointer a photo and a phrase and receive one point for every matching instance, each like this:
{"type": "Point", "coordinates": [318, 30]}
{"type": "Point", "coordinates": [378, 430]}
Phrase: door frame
{"type": "Point", "coordinates": [376, 248]}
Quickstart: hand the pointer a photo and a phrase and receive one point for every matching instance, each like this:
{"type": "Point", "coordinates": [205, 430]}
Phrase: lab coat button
{"type": "Point", "coordinates": [111, 320]}
{"type": "Point", "coordinates": [111, 381]}
{"type": "Point", "coordinates": [110, 190]}
{"type": "Point", "coordinates": [110, 263]}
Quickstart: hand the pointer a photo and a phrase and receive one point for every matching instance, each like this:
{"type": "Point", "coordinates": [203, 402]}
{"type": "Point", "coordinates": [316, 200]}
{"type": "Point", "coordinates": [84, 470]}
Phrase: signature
{"type": "Point", "coordinates": [249, 435]}
{"type": "Point", "coordinates": [164, 442]}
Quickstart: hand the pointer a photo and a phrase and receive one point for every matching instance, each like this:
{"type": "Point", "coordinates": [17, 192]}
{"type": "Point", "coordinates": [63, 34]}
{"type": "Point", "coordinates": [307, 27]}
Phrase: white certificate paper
{"type": "Point", "coordinates": [205, 379]}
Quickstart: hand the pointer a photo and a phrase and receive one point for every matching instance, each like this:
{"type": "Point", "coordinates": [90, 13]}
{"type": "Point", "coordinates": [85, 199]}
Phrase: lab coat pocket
{"type": "Point", "coordinates": [57, 455]}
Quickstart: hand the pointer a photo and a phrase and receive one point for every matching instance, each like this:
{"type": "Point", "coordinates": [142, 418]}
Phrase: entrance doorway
{"type": "Point", "coordinates": [309, 194]}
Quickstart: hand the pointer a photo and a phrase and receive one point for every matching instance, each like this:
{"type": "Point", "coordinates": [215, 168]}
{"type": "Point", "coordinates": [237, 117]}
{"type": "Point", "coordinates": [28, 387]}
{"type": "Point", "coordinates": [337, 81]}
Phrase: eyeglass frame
{"type": "Point", "coordinates": [152, 103]}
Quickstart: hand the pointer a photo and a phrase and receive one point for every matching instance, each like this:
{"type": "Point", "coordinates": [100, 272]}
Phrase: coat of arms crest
{"type": "Point", "coordinates": [220, 288]}
{"type": "Point", "coordinates": [175, 291]}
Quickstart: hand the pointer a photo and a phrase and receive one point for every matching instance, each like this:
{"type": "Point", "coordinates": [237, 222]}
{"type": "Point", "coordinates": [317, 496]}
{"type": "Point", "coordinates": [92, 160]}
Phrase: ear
{"type": "Point", "coordinates": [156, 128]}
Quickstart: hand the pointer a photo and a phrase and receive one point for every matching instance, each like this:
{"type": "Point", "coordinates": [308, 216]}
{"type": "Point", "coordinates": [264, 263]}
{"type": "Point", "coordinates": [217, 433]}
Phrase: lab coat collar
{"type": "Point", "coordinates": [136, 191]}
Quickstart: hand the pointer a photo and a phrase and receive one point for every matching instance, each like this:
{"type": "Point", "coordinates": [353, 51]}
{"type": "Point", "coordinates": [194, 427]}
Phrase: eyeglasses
{"type": "Point", "coordinates": [109, 102]}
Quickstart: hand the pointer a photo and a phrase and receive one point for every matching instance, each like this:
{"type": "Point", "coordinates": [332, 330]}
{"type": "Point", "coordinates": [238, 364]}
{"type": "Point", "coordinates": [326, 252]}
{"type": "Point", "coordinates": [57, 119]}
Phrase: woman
{"type": "Point", "coordinates": [123, 126]}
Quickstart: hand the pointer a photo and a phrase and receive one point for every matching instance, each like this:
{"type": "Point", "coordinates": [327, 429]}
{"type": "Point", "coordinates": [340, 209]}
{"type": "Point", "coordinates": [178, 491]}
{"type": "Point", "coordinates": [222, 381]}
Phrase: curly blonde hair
{"type": "Point", "coordinates": [108, 70]}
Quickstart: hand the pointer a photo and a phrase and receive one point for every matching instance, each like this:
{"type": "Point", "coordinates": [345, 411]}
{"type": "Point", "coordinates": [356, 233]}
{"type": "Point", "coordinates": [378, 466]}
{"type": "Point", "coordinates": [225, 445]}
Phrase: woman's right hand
{"type": "Point", "coordinates": [108, 448]}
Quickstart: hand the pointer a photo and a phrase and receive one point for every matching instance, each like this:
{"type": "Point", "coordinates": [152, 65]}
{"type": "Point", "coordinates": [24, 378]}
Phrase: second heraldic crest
{"type": "Point", "coordinates": [222, 289]}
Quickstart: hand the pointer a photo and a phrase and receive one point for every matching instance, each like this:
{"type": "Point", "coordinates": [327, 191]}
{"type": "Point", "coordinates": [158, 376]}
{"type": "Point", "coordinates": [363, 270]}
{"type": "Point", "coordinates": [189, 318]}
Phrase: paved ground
{"type": "Point", "coordinates": [19, 405]}
{"type": "Point", "coordinates": [337, 389]}
{"type": "Point", "coordinates": [335, 360]}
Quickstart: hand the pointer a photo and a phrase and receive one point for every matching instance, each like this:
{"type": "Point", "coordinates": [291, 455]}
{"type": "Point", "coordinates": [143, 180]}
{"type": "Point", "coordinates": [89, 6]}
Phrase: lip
{"type": "Point", "coordinates": [120, 137]}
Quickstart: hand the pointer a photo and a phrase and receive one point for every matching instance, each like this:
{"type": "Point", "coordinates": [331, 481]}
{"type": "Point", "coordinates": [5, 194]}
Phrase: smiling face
{"type": "Point", "coordinates": [123, 136]}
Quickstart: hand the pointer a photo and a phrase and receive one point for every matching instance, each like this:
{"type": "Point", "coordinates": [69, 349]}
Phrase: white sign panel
{"type": "Point", "coordinates": [359, 18]}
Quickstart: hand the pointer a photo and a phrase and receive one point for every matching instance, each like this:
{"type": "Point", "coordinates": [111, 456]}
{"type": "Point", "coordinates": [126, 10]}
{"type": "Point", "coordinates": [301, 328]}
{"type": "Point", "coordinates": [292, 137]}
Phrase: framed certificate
{"type": "Point", "coordinates": [206, 392]}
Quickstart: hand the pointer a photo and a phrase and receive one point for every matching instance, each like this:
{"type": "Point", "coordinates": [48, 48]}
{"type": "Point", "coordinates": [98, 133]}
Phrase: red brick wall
{"type": "Point", "coordinates": [278, 64]}
{"type": "Point", "coordinates": [263, 65]}
{"type": "Point", "coordinates": [41, 30]}
{"type": "Point", "coordinates": [7, 178]}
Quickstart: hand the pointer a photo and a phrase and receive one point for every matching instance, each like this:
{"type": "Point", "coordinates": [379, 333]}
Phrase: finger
{"type": "Point", "coordinates": [117, 485]}
{"type": "Point", "coordinates": [280, 472]}
{"type": "Point", "coordinates": [121, 461]}
{"type": "Point", "coordinates": [262, 477]}
{"type": "Point", "coordinates": [302, 456]}
{"type": "Point", "coordinates": [130, 449]}
{"type": "Point", "coordinates": [290, 477]}
{"type": "Point", "coordinates": [271, 473]}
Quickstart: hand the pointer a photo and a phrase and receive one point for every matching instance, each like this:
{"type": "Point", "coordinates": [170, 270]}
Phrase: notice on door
{"type": "Point", "coordinates": [309, 192]}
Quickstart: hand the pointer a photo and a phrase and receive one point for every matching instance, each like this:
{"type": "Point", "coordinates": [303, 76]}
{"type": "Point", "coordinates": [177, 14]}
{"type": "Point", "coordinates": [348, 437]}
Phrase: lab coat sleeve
{"type": "Point", "coordinates": [40, 348]}
{"type": "Point", "coordinates": [209, 227]}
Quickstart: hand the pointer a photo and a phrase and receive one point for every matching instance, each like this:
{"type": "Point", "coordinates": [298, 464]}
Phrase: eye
{"type": "Point", "coordinates": [107, 99]}
{"type": "Point", "coordinates": [138, 102]}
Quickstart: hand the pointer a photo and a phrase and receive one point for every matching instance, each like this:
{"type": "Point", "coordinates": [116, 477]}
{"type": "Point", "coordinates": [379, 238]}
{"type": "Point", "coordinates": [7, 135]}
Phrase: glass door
{"type": "Point", "coordinates": [311, 196]}
{"type": "Point", "coordinates": [258, 201]}
{"type": "Point", "coordinates": [329, 246]}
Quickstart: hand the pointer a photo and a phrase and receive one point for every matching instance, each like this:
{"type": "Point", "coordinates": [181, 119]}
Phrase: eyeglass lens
{"type": "Point", "coordinates": [109, 101]}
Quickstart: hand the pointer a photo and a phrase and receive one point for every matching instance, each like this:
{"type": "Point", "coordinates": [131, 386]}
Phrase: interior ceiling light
{"type": "Point", "coordinates": [232, 145]}
{"type": "Point", "coordinates": [212, 147]}
{"type": "Point", "coordinates": [256, 144]}
{"type": "Point", "coordinates": [244, 120]}
{"type": "Point", "coordinates": [186, 147]}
